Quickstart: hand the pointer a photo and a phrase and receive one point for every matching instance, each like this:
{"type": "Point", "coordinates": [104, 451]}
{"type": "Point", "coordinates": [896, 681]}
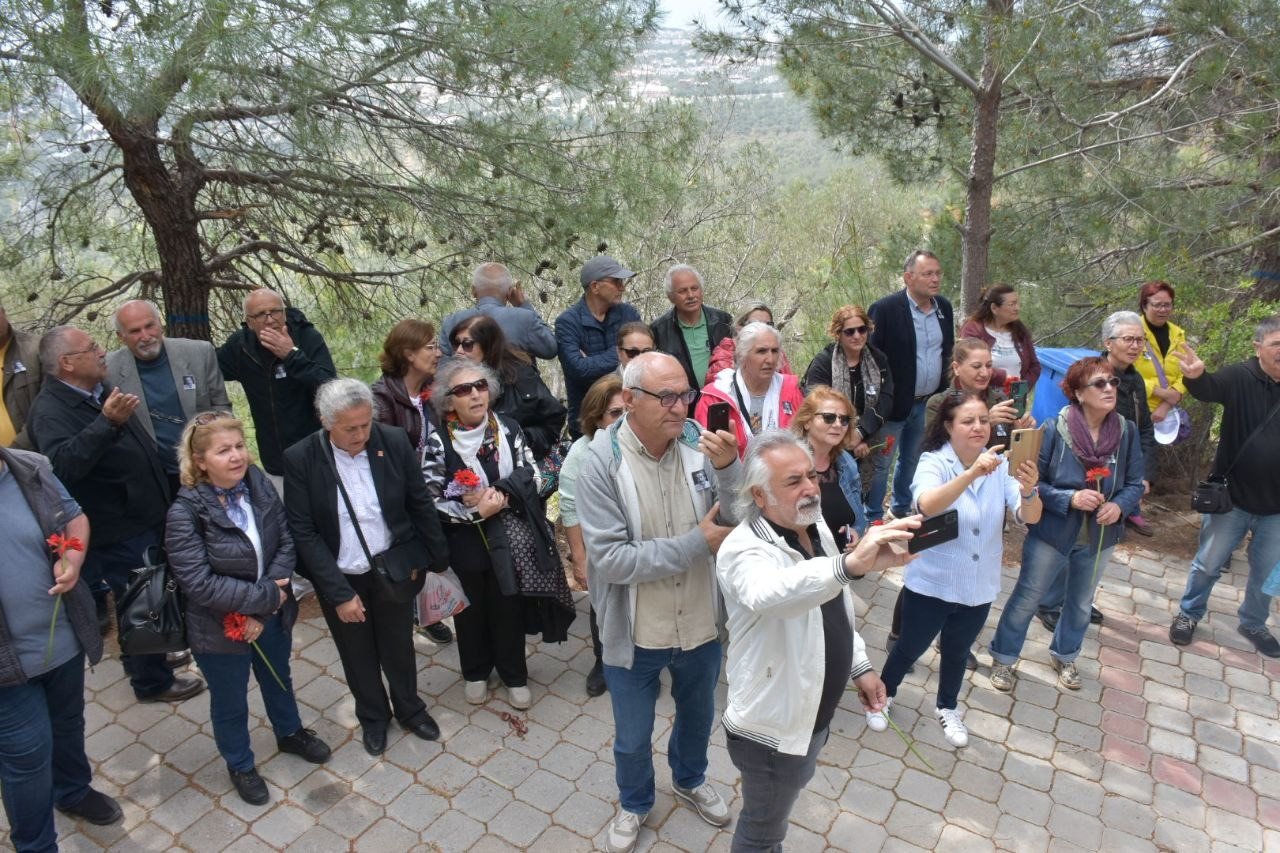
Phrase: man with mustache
{"type": "Point", "coordinates": [792, 642]}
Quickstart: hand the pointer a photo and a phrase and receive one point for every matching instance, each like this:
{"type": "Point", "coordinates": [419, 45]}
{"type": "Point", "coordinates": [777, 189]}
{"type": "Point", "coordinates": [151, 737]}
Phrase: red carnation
{"type": "Point", "coordinates": [1098, 475]}
{"type": "Point", "coordinates": [62, 544]}
{"type": "Point", "coordinates": [888, 445]}
{"type": "Point", "coordinates": [467, 478]}
{"type": "Point", "coordinates": [233, 625]}
{"type": "Point", "coordinates": [879, 522]}
{"type": "Point", "coordinates": [1008, 385]}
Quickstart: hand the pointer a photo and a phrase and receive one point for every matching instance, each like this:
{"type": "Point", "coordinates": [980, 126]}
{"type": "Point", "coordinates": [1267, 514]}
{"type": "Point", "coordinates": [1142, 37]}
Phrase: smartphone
{"type": "Point", "coordinates": [1018, 391]}
{"type": "Point", "coordinates": [935, 531]}
{"type": "Point", "coordinates": [718, 417]}
{"type": "Point", "coordinates": [1023, 444]}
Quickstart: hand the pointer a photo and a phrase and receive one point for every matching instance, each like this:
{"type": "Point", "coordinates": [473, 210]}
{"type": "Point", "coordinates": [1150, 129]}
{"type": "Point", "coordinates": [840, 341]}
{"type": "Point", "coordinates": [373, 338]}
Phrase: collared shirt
{"type": "Point", "coordinates": [677, 611]}
{"type": "Point", "coordinates": [357, 476]}
{"type": "Point", "coordinates": [250, 526]}
{"type": "Point", "coordinates": [95, 395]}
{"type": "Point", "coordinates": [928, 347]}
{"type": "Point", "coordinates": [697, 340]}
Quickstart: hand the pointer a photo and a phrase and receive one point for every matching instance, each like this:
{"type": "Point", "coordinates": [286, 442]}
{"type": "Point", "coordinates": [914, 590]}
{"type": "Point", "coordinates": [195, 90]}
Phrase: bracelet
{"type": "Point", "coordinates": [1034, 493]}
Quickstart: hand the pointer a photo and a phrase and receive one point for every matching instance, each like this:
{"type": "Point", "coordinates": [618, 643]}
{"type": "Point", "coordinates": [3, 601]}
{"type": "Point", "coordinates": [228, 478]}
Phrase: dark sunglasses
{"type": "Point", "coordinates": [616, 412]}
{"type": "Point", "coordinates": [829, 418]}
{"type": "Point", "coordinates": [206, 418]}
{"type": "Point", "coordinates": [464, 344]}
{"type": "Point", "coordinates": [667, 399]}
{"type": "Point", "coordinates": [1100, 384]}
{"type": "Point", "coordinates": [464, 389]}
{"type": "Point", "coordinates": [632, 352]}
{"type": "Point", "coordinates": [855, 330]}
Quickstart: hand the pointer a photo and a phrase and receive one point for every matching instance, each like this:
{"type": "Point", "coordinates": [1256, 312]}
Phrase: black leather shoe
{"type": "Point", "coordinates": [1095, 615]}
{"type": "Point", "coordinates": [424, 727]}
{"type": "Point", "coordinates": [304, 742]}
{"type": "Point", "coordinates": [177, 660]}
{"type": "Point", "coordinates": [374, 740]}
{"type": "Point", "coordinates": [1048, 618]}
{"type": "Point", "coordinates": [438, 633]}
{"type": "Point", "coordinates": [595, 679]}
{"type": "Point", "coordinates": [96, 808]}
{"type": "Point", "coordinates": [181, 689]}
{"type": "Point", "coordinates": [250, 787]}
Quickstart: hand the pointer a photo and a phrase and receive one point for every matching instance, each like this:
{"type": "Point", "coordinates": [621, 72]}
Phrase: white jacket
{"type": "Point", "coordinates": [773, 595]}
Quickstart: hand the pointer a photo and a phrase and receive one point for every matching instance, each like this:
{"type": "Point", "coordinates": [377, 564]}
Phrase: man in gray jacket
{"type": "Point", "coordinates": [648, 506]}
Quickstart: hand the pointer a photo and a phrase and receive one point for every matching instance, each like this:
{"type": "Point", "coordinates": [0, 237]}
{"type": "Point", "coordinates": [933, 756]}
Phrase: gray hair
{"type": "Point", "coordinates": [916, 254]}
{"type": "Point", "coordinates": [448, 369]}
{"type": "Point", "coordinates": [1266, 327]}
{"type": "Point", "coordinates": [339, 395]}
{"type": "Point", "coordinates": [1118, 319]}
{"type": "Point", "coordinates": [747, 337]}
{"type": "Point", "coordinates": [244, 305]}
{"type": "Point", "coordinates": [668, 280]}
{"type": "Point", "coordinates": [53, 346]}
{"type": "Point", "coordinates": [492, 277]}
{"type": "Point", "coordinates": [155, 312]}
{"type": "Point", "coordinates": [756, 472]}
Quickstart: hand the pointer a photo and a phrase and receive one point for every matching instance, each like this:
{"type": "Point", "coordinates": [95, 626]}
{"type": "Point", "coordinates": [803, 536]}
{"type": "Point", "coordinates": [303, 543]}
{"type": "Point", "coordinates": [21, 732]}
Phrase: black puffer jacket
{"type": "Point", "coordinates": [529, 402]}
{"type": "Point", "coordinates": [217, 568]}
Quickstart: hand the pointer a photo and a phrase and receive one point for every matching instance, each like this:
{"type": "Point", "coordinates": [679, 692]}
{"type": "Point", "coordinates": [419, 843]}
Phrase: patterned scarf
{"type": "Point", "coordinates": [231, 500]}
{"type": "Point", "coordinates": [866, 366]}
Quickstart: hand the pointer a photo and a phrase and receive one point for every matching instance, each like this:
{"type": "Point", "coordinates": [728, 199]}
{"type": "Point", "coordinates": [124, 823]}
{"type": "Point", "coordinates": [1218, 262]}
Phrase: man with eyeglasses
{"type": "Point", "coordinates": [690, 331]}
{"type": "Point", "coordinates": [174, 379]}
{"type": "Point", "coordinates": [501, 297]}
{"type": "Point", "coordinates": [587, 332]}
{"type": "Point", "coordinates": [280, 360]}
{"type": "Point", "coordinates": [19, 381]}
{"type": "Point", "coordinates": [110, 465]}
{"type": "Point", "coordinates": [1248, 458]}
{"type": "Point", "coordinates": [648, 503]}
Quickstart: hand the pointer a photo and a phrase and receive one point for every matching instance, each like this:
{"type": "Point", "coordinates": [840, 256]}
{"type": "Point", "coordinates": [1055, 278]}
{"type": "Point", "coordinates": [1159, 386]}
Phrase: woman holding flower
{"type": "Point", "coordinates": [1090, 478]}
{"type": "Point", "coordinates": [231, 552]}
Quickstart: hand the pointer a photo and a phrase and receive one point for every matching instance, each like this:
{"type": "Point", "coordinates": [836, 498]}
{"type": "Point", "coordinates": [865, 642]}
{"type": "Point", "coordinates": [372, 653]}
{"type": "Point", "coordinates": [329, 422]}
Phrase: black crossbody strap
{"type": "Point", "coordinates": [346, 499]}
{"type": "Point", "coordinates": [1258, 429]}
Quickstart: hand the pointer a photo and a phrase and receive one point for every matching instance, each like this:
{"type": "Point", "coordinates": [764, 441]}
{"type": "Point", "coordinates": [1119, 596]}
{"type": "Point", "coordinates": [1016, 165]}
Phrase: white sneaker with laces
{"type": "Point", "coordinates": [878, 721]}
{"type": "Point", "coordinates": [476, 692]}
{"type": "Point", "coordinates": [953, 727]}
{"type": "Point", "coordinates": [709, 805]}
{"type": "Point", "coordinates": [623, 831]}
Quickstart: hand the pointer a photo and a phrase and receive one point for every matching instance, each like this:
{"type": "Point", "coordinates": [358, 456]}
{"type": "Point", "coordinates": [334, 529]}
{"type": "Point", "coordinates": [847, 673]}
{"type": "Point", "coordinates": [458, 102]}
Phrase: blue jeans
{"type": "Point", "coordinates": [1043, 567]}
{"type": "Point", "coordinates": [907, 436]}
{"type": "Point", "coordinates": [228, 678]}
{"type": "Point", "coordinates": [923, 618]}
{"type": "Point", "coordinates": [634, 693]}
{"type": "Point", "coordinates": [42, 760]}
{"type": "Point", "coordinates": [771, 784]}
{"type": "Point", "coordinates": [114, 564]}
{"type": "Point", "coordinates": [1219, 536]}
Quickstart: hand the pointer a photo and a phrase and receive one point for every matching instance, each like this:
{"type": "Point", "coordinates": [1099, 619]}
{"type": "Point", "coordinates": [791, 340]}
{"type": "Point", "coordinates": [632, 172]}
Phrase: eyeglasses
{"type": "Point", "coordinates": [632, 352]}
{"type": "Point", "coordinates": [430, 345]}
{"type": "Point", "coordinates": [1103, 384]}
{"type": "Point", "coordinates": [94, 348]}
{"type": "Point", "coordinates": [1160, 306]}
{"type": "Point", "coordinates": [270, 313]}
{"type": "Point", "coordinates": [855, 330]}
{"type": "Point", "coordinates": [464, 344]}
{"type": "Point", "coordinates": [1128, 340]}
{"type": "Point", "coordinates": [615, 412]}
{"type": "Point", "coordinates": [667, 399]}
{"type": "Point", "coordinates": [464, 389]}
{"type": "Point", "coordinates": [829, 418]}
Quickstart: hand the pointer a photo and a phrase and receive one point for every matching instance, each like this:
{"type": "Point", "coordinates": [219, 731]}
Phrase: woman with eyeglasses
{"type": "Point", "coordinates": [1125, 341]}
{"type": "Point", "coordinates": [722, 355]}
{"type": "Point", "coordinates": [997, 323]}
{"type": "Point", "coordinates": [1090, 478]}
{"type": "Point", "coordinates": [600, 408]}
{"type": "Point", "coordinates": [1164, 339]}
{"type": "Point", "coordinates": [525, 398]}
{"type": "Point", "coordinates": [854, 368]}
{"type": "Point", "coordinates": [825, 421]}
{"type": "Point", "coordinates": [500, 544]}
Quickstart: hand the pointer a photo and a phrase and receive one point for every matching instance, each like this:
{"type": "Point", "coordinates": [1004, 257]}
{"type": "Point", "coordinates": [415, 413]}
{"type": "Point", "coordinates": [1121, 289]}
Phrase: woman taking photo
{"type": "Point", "coordinates": [525, 398]}
{"type": "Point", "coordinates": [996, 323]}
{"type": "Point", "coordinates": [1164, 384]}
{"type": "Point", "coordinates": [825, 421]}
{"type": "Point", "coordinates": [230, 550]}
{"type": "Point", "coordinates": [973, 372]}
{"type": "Point", "coordinates": [859, 371]}
{"type": "Point", "coordinates": [500, 543]}
{"type": "Point", "coordinates": [1091, 476]}
{"type": "Point", "coordinates": [600, 408]}
{"type": "Point", "coordinates": [948, 589]}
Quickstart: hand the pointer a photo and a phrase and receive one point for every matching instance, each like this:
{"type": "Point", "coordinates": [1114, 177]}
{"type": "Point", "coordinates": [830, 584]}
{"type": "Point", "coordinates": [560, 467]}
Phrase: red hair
{"type": "Point", "coordinates": [1150, 289]}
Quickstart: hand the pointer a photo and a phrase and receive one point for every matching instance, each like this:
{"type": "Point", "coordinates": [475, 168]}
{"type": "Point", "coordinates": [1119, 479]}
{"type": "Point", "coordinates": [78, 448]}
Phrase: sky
{"type": "Point", "coordinates": [680, 12]}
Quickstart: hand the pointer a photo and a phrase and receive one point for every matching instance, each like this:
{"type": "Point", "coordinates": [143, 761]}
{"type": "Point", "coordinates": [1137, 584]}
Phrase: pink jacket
{"type": "Point", "coordinates": [722, 358]}
{"type": "Point", "coordinates": [721, 391]}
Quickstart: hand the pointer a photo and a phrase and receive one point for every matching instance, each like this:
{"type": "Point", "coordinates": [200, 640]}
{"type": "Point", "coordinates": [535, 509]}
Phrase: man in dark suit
{"type": "Point", "coordinates": [110, 466]}
{"type": "Point", "coordinates": [915, 328]}
{"type": "Point", "coordinates": [382, 478]}
{"type": "Point", "coordinates": [174, 379]}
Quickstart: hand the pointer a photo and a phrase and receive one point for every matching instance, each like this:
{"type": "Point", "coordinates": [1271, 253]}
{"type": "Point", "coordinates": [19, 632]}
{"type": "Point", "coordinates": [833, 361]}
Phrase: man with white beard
{"type": "Point", "coordinates": [792, 643]}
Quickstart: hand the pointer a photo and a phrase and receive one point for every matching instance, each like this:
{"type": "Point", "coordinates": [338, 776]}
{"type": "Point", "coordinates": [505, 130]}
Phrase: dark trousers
{"type": "Point", "coordinates": [771, 784]}
{"type": "Point", "coordinates": [924, 618]}
{"type": "Point", "coordinates": [491, 631]}
{"type": "Point", "coordinates": [381, 645]}
{"type": "Point", "coordinates": [114, 564]}
{"type": "Point", "coordinates": [42, 760]}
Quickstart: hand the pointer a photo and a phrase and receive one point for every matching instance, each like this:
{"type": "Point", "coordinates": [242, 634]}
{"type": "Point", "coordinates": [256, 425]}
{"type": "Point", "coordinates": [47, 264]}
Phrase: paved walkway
{"type": "Point", "coordinates": [1162, 749]}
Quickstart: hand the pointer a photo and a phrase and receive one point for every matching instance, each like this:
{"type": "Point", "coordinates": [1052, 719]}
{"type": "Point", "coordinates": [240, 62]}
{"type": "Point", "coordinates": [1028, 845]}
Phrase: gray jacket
{"type": "Point", "coordinates": [617, 558]}
{"type": "Point", "coordinates": [195, 375]}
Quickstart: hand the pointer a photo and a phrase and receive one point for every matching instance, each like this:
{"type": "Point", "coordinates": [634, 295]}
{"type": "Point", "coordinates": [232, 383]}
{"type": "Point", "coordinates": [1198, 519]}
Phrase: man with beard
{"type": "Point", "coordinates": [792, 642]}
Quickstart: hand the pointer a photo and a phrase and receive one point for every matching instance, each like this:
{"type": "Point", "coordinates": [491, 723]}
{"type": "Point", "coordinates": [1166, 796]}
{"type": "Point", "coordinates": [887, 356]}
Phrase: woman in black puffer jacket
{"type": "Point", "coordinates": [229, 547]}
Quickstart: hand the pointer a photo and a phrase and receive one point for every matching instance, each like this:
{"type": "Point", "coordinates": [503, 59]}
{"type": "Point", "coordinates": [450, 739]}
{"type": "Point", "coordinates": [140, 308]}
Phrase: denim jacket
{"type": "Point", "coordinates": [851, 484]}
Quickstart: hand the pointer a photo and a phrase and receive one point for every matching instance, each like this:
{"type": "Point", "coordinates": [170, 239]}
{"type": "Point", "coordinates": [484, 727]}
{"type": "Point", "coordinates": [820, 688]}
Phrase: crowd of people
{"type": "Point", "coordinates": [717, 507]}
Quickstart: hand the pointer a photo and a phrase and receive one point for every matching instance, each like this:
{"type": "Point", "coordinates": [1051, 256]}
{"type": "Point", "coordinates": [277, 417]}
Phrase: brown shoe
{"type": "Point", "coordinates": [180, 690]}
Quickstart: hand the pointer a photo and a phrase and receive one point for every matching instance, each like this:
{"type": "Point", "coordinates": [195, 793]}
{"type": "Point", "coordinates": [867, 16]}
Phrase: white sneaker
{"type": "Point", "coordinates": [519, 697]}
{"type": "Point", "coordinates": [953, 727]}
{"type": "Point", "coordinates": [623, 831]}
{"type": "Point", "coordinates": [710, 805]}
{"type": "Point", "coordinates": [476, 692]}
{"type": "Point", "coordinates": [878, 721]}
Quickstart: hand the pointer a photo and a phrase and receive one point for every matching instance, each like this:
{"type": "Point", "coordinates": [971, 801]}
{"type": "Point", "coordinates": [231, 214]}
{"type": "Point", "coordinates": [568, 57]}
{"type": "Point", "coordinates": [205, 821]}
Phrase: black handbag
{"type": "Point", "coordinates": [1211, 496]}
{"type": "Point", "coordinates": [152, 618]}
{"type": "Point", "coordinates": [398, 572]}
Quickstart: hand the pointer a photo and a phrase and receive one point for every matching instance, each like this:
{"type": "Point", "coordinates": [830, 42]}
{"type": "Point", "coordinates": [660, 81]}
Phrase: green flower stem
{"type": "Point", "coordinates": [272, 669]}
{"type": "Point", "coordinates": [911, 744]}
{"type": "Point", "coordinates": [53, 623]}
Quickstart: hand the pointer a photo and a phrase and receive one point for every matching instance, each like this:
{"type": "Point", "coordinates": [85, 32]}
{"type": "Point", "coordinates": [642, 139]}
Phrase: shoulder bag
{"type": "Point", "coordinates": [399, 571]}
{"type": "Point", "coordinates": [1211, 496]}
{"type": "Point", "coordinates": [1184, 418]}
{"type": "Point", "coordinates": [152, 619]}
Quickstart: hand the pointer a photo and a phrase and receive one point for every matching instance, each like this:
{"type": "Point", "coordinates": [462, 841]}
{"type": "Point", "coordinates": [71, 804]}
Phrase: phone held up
{"type": "Point", "coordinates": [718, 417]}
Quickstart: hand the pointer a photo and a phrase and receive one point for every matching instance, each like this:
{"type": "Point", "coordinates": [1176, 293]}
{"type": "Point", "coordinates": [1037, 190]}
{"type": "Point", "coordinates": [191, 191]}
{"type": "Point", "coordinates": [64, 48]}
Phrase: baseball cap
{"type": "Point", "coordinates": [603, 266]}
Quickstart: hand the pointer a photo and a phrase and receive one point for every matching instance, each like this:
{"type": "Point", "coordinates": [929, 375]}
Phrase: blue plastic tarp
{"type": "Point", "coordinates": [1054, 363]}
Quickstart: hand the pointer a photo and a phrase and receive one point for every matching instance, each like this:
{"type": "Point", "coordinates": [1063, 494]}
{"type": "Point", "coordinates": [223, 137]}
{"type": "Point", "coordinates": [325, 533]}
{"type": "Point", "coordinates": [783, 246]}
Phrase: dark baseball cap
{"type": "Point", "coordinates": [603, 266]}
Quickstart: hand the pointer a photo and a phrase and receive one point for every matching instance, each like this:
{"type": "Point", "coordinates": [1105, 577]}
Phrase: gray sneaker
{"type": "Point", "coordinates": [1003, 678]}
{"type": "Point", "coordinates": [623, 831]}
{"type": "Point", "coordinates": [710, 806]}
{"type": "Point", "coordinates": [1068, 675]}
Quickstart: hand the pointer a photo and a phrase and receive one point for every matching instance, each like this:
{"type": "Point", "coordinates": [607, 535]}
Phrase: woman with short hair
{"type": "Point", "coordinates": [1164, 340]}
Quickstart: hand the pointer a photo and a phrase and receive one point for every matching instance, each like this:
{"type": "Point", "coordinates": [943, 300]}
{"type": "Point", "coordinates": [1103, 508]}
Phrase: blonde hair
{"type": "Point", "coordinates": [808, 413]}
{"type": "Point", "coordinates": [196, 438]}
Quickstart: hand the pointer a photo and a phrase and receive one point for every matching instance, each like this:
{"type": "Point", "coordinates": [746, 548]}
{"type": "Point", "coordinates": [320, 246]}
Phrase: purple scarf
{"type": "Point", "coordinates": [1093, 454]}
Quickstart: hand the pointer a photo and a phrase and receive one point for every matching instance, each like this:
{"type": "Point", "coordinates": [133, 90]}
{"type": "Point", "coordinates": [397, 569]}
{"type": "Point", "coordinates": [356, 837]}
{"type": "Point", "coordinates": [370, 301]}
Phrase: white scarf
{"type": "Point", "coordinates": [467, 442]}
{"type": "Point", "coordinates": [725, 382]}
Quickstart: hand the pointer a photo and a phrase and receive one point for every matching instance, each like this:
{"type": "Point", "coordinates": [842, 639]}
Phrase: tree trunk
{"type": "Point", "coordinates": [976, 230]}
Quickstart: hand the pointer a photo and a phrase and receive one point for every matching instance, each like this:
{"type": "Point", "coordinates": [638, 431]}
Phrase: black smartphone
{"type": "Point", "coordinates": [934, 531]}
{"type": "Point", "coordinates": [718, 417]}
{"type": "Point", "coordinates": [1018, 391]}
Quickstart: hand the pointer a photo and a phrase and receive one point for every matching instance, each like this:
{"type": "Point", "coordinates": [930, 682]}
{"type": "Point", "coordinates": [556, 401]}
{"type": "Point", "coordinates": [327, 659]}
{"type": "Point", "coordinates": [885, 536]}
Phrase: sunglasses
{"type": "Point", "coordinates": [667, 399]}
{"type": "Point", "coordinates": [206, 418]}
{"type": "Point", "coordinates": [829, 418]}
{"type": "Point", "coordinates": [1102, 384]}
{"type": "Point", "coordinates": [616, 412]}
{"type": "Point", "coordinates": [855, 330]}
{"type": "Point", "coordinates": [464, 344]}
{"type": "Point", "coordinates": [464, 389]}
{"type": "Point", "coordinates": [632, 352]}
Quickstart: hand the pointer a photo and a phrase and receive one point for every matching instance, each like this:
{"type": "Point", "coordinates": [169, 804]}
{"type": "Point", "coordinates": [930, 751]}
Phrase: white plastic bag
{"type": "Point", "coordinates": [441, 597]}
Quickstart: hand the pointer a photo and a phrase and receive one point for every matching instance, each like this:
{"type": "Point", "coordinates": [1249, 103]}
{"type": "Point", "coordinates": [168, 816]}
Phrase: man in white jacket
{"type": "Point", "coordinates": [792, 643]}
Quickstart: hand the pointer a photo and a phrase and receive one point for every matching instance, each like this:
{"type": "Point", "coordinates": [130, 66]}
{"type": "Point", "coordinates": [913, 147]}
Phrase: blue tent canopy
{"type": "Point", "coordinates": [1054, 363]}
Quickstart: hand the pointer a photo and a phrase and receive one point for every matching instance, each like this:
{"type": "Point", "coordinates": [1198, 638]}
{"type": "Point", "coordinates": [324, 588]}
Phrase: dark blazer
{"type": "Point", "coordinates": [113, 472]}
{"type": "Point", "coordinates": [668, 338]}
{"type": "Point", "coordinates": [311, 498]}
{"type": "Point", "coordinates": [217, 568]}
{"type": "Point", "coordinates": [196, 377]}
{"type": "Point", "coordinates": [895, 336]}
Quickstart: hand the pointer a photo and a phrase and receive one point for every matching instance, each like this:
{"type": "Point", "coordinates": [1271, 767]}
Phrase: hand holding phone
{"type": "Point", "coordinates": [933, 531]}
{"type": "Point", "coordinates": [718, 417]}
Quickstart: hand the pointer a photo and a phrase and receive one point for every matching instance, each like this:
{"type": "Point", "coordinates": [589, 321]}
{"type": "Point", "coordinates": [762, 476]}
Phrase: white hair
{"type": "Point", "coordinates": [668, 280]}
{"type": "Point", "coordinates": [756, 472]}
{"type": "Point", "coordinates": [450, 368]}
{"type": "Point", "coordinates": [53, 346]}
{"type": "Point", "coordinates": [1118, 319]}
{"type": "Point", "coordinates": [492, 277]}
{"type": "Point", "coordinates": [244, 306]}
{"type": "Point", "coordinates": [338, 395]}
{"type": "Point", "coordinates": [155, 312]}
{"type": "Point", "coordinates": [747, 338]}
